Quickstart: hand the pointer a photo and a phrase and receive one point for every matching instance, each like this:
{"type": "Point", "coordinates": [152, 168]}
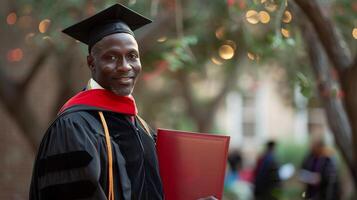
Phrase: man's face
{"type": "Point", "coordinates": [115, 63]}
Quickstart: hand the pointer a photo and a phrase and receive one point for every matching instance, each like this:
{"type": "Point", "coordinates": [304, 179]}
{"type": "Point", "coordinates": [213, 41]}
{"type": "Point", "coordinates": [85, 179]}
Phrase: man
{"type": "Point", "coordinates": [319, 173]}
{"type": "Point", "coordinates": [98, 148]}
{"type": "Point", "coordinates": [266, 173]}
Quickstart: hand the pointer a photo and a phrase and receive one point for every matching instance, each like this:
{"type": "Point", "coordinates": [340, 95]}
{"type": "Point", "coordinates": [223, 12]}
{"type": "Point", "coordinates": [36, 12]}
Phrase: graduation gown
{"type": "Point", "coordinates": [72, 159]}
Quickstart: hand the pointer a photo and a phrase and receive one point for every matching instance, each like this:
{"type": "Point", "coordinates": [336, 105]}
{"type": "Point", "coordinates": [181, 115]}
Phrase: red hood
{"type": "Point", "coordinates": [103, 99]}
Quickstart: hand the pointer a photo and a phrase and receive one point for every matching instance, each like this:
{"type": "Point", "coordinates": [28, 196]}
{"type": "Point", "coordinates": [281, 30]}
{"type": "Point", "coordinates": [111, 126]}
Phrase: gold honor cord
{"type": "Point", "coordinates": [110, 157]}
{"type": "Point", "coordinates": [146, 127]}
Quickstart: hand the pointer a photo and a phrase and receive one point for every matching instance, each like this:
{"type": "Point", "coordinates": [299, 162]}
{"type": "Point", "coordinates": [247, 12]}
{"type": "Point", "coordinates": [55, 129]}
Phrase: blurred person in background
{"type": "Point", "coordinates": [319, 173]}
{"type": "Point", "coordinates": [237, 183]}
{"type": "Point", "coordinates": [267, 183]}
{"type": "Point", "coordinates": [235, 164]}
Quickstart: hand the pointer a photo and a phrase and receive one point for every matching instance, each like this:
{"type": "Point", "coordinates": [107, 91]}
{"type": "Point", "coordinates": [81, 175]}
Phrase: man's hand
{"type": "Point", "coordinates": [208, 198]}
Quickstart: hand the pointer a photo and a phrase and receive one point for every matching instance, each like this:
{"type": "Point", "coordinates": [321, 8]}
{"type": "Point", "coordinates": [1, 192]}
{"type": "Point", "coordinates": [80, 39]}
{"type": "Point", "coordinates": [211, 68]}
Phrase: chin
{"type": "Point", "coordinates": [123, 91]}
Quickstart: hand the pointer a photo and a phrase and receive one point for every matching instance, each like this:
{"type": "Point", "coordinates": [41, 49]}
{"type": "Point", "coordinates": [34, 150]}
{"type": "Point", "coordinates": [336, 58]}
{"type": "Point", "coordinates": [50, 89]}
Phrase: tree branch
{"type": "Point", "coordinates": [187, 95]}
{"type": "Point", "coordinates": [35, 67]}
{"type": "Point", "coordinates": [332, 42]}
{"type": "Point", "coordinates": [355, 62]}
{"type": "Point", "coordinates": [228, 83]}
{"type": "Point", "coordinates": [65, 64]}
{"type": "Point", "coordinates": [13, 95]}
{"type": "Point", "coordinates": [17, 107]}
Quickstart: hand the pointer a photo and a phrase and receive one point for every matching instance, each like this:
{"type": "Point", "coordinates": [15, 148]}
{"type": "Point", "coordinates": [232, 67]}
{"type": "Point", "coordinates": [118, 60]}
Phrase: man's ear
{"type": "Point", "coordinates": [90, 62]}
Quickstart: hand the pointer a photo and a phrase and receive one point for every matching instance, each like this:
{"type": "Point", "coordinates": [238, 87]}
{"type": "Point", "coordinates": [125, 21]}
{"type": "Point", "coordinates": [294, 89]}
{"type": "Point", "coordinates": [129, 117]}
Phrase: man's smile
{"type": "Point", "coordinates": [125, 79]}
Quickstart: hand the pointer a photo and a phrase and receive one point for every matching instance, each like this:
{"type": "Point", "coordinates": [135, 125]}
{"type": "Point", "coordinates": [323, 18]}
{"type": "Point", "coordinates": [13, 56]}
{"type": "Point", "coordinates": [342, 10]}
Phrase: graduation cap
{"type": "Point", "coordinates": [115, 19]}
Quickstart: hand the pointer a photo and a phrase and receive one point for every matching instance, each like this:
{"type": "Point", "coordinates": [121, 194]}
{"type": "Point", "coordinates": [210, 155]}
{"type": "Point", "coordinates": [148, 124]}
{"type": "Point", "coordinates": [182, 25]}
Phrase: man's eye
{"type": "Point", "coordinates": [133, 56]}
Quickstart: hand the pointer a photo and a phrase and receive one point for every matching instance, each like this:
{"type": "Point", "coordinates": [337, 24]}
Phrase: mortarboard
{"type": "Point", "coordinates": [115, 19]}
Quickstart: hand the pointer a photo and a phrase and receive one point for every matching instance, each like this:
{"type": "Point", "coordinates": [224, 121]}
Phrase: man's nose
{"type": "Point", "coordinates": [123, 65]}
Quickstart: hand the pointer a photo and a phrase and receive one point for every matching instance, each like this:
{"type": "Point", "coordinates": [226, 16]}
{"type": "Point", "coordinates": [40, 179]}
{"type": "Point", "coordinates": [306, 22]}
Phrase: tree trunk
{"type": "Point", "coordinates": [341, 109]}
{"type": "Point", "coordinates": [13, 95]}
{"type": "Point", "coordinates": [335, 111]}
{"type": "Point", "coordinates": [349, 85]}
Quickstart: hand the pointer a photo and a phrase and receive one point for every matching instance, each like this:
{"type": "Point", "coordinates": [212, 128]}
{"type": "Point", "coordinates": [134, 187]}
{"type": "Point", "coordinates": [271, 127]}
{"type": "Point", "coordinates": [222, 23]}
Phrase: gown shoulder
{"type": "Point", "coordinates": [67, 165]}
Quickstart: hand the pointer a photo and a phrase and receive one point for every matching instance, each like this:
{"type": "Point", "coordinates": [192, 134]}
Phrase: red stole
{"type": "Point", "coordinates": [103, 99]}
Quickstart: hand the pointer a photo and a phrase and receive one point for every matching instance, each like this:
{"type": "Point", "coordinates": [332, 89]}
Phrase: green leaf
{"type": "Point", "coordinates": [305, 84]}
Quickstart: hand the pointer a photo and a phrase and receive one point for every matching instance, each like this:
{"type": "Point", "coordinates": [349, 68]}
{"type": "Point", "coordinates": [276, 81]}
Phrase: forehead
{"type": "Point", "coordinates": [122, 40]}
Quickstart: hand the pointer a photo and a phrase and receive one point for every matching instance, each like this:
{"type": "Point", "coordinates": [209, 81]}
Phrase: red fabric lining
{"type": "Point", "coordinates": [103, 99]}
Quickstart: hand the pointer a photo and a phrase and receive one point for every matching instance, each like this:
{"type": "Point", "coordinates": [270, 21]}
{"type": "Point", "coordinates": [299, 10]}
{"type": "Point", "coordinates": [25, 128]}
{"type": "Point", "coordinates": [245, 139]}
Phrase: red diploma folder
{"type": "Point", "coordinates": [192, 165]}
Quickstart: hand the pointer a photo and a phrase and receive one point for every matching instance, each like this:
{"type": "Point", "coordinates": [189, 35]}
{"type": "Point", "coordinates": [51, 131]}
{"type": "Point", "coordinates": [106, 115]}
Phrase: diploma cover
{"type": "Point", "coordinates": [192, 165]}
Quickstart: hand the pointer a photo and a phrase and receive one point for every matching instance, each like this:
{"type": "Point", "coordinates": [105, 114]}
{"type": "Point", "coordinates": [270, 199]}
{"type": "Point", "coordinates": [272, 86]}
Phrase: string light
{"type": "Point", "coordinates": [220, 32]}
{"type": "Point", "coordinates": [264, 17]}
{"type": "Point", "coordinates": [285, 32]}
{"type": "Point", "coordinates": [226, 52]}
{"type": "Point", "coordinates": [43, 26]}
{"type": "Point", "coordinates": [162, 39]}
{"type": "Point", "coordinates": [15, 55]}
{"type": "Point", "coordinates": [287, 17]}
{"type": "Point", "coordinates": [216, 61]}
{"type": "Point", "coordinates": [271, 7]}
{"type": "Point", "coordinates": [252, 16]}
{"type": "Point", "coordinates": [354, 33]}
{"type": "Point", "coordinates": [250, 56]}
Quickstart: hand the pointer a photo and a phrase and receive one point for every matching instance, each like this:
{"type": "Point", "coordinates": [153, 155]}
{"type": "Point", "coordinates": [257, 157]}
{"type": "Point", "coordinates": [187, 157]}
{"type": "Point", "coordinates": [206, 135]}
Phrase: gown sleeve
{"type": "Point", "coordinates": [67, 164]}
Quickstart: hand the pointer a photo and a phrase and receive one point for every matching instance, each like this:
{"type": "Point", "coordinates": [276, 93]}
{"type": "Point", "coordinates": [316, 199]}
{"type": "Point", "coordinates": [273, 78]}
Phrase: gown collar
{"type": "Point", "coordinates": [103, 100]}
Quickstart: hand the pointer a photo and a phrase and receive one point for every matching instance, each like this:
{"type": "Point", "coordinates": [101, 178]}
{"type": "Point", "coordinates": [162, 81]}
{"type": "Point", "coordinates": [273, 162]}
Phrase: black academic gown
{"type": "Point", "coordinates": [72, 159]}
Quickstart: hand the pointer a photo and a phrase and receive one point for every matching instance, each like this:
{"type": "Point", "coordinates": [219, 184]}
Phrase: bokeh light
{"type": "Point", "coordinates": [162, 39]}
{"type": "Point", "coordinates": [11, 18]}
{"type": "Point", "coordinates": [271, 6]}
{"type": "Point", "coordinates": [43, 26]}
{"type": "Point", "coordinates": [216, 61]}
{"type": "Point", "coordinates": [264, 17]}
{"type": "Point", "coordinates": [15, 55]}
{"type": "Point", "coordinates": [220, 32]}
{"type": "Point", "coordinates": [354, 33]}
{"type": "Point", "coordinates": [285, 32]}
{"type": "Point", "coordinates": [252, 16]}
{"type": "Point", "coordinates": [287, 17]}
{"type": "Point", "coordinates": [250, 56]}
{"type": "Point", "coordinates": [226, 52]}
